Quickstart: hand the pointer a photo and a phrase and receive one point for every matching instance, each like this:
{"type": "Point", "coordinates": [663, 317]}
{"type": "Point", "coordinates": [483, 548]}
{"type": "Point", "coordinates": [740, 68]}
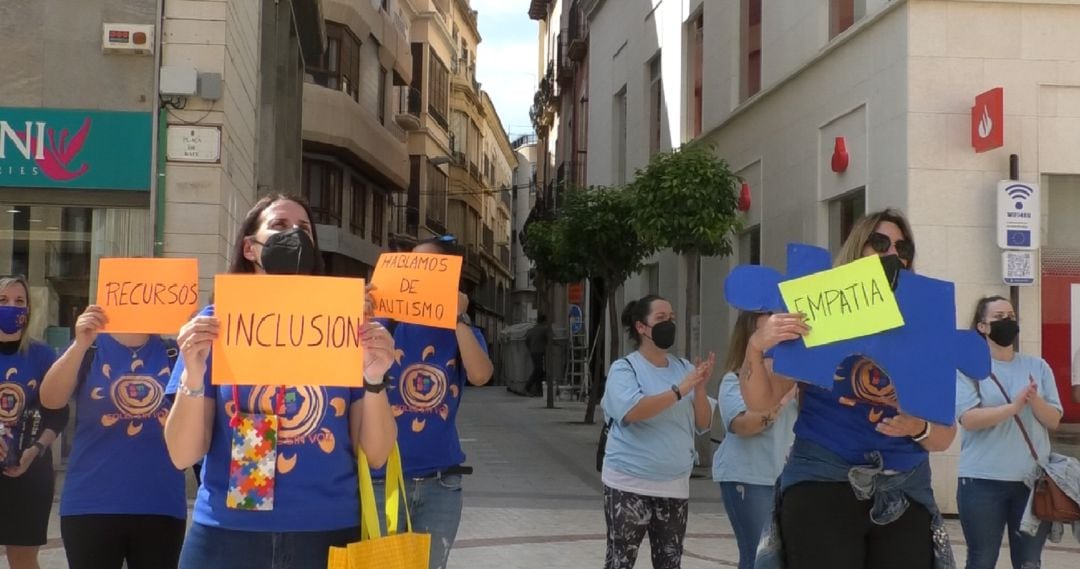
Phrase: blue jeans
{"type": "Point", "coordinates": [987, 507]}
{"type": "Point", "coordinates": [749, 507]}
{"type": "Point", "coordinates": [434, 503]}
{"type": "Point", "coordinates": [208, 547]}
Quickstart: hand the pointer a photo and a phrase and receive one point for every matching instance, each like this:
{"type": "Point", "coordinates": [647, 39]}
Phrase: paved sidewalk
{"type": "Point", "coordinates": [535, 499]}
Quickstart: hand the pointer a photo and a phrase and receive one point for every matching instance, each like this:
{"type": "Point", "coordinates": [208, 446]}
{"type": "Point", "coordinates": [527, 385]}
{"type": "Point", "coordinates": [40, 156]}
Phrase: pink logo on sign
{"type": "Point", "coordinates": [56, 160]}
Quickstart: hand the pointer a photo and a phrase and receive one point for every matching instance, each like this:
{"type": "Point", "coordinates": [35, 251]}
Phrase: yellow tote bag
{"type": "Point", "coordinates": [406, 550]}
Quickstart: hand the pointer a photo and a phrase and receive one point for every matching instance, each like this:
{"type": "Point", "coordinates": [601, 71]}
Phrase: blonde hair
{"type": "Point", "coordinates": [852, 250]}
{"type": "Point", "coordinates": [745, 326]}
{"type": "Point", "coordinates": [5, 282]}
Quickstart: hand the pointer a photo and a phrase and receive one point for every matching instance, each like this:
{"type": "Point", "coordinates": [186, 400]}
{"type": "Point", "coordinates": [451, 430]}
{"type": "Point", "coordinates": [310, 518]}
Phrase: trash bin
{"type": "Point", "coordinates": [514, 365]}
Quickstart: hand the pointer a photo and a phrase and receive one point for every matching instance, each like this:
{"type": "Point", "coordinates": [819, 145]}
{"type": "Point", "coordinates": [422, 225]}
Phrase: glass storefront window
{"type": "Point", "coordinates": [57, 248]}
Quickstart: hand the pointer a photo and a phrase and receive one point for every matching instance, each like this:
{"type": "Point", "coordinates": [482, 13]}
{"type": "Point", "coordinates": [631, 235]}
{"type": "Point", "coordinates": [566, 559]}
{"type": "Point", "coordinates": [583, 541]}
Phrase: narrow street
{"type": "Point", "coordinates": [534, 500]}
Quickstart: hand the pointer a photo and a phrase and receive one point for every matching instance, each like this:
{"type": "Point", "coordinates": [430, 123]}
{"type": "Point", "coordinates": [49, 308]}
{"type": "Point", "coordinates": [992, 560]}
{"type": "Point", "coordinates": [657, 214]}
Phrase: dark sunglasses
{"type": "Point", "coordinates": [881, 243]}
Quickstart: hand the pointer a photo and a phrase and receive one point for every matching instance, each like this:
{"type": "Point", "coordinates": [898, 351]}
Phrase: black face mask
{"type": "Point", "coordinates": [892, 265]}
{"type": "Point", "coordinates": [663, 334]}
{"type": "Point", "coordinates": [288, 253]}
{"type": "Point", "coordinates": [1004, 332]}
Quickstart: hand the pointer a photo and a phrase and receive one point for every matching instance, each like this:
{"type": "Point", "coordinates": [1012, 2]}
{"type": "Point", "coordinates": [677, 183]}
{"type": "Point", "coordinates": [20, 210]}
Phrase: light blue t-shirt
{"type": "Point", "coordinates": [1000, 453]}
{"type": "Point", "coordinates": [659, 448]}
{"type": "Point", "coordinates": [757, 459]}
{"type": "Point", "coordinates": [119, 463]}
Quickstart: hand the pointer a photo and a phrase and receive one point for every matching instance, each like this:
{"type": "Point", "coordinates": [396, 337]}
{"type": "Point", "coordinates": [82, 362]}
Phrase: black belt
{"type": "Point", "coordinates": [459, 470]}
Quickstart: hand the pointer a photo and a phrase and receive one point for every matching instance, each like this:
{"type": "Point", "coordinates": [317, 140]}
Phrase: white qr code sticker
{"type": "Point", "coordinates": [1018, 267]}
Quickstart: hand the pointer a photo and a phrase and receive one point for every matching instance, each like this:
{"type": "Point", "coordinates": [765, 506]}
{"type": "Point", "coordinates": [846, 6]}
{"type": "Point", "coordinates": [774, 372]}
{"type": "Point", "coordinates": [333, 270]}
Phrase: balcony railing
{"type": "Point", "coordinates": [504, 256]}
{"type": "Point", "coordinates": [507, 198]}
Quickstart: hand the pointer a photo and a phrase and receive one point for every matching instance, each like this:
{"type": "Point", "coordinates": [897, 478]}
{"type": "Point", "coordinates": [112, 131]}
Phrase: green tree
{"type": "Point", "coordinates": [687, 200]}
{"type": "Point", "coordinates": [542, 240]}
{"type": "Point", "coordinates": [590, 237]}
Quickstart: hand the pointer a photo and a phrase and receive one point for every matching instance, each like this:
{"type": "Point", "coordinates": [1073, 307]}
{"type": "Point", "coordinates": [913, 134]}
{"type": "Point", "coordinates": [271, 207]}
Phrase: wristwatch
{"type": "Point", "coordinates": [464, 319]}
{"type": "Point", "coordinates": [923, 435]}
{"type": "Point", "coordinates": [41, 448]}
{"type": "Point", "coordinates": [374, 387]}
{"type": "Point", "coordinates": [185, 391]}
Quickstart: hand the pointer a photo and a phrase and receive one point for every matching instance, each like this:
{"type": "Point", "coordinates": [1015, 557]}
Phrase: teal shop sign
{"type": "Point", "coordinates": [61, 148]}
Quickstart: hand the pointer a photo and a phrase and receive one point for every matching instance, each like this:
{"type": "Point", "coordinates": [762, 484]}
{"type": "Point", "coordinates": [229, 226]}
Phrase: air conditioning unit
{"type": "Point", "coordinates": [134, 39]}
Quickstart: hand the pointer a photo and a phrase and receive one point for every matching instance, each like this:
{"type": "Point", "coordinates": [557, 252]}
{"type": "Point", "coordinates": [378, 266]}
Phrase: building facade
{"type": "Point", "coordinates": [523, 304]}
{"type": "Point", "coordinates": [791, 84]}
{"type": "Point", "coordinates": [96, 161]}
{"type": "Point", "coordinates": [356, 160]}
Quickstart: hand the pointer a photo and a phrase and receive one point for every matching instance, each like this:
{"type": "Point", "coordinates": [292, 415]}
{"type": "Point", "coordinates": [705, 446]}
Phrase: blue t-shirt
{"type": "Point", "coordinates": [844, 420]}
{"type": "Point", "coordinates": [756, 459]}
{"type": "Point", "coordinates": [23, 372]}
{"type": "Point", "coordinates": [315, 483]}
{"type": "Point", "coordinates": [660, 448]}
{"type": "Point", "coordinates": [999, 452]}
{"type": "Point", "coordinates": [425, 388]}
{"type": "Point", "coordinates": [119, 463]}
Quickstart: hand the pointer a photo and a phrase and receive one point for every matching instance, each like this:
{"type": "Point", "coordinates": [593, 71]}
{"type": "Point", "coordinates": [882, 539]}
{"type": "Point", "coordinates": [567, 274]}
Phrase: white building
{"type": "Point", "coordinates": [523, 292]}
{"type": "Point", "coordinates": [897, 81]}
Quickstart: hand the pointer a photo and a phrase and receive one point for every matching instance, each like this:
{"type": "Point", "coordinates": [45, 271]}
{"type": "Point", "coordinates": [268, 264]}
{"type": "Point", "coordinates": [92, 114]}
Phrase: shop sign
{"type": "Point", "coordinates": [74, 149]}
{"type": "Point", "coordinates": [988, 120]}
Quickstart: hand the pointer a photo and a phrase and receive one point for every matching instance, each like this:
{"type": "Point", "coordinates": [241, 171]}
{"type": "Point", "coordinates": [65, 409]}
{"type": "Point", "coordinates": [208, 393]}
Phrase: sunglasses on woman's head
{"type": "Point", "coordinates": [881, 243]}
{"type": "Point", "coordinates": [448, 238]}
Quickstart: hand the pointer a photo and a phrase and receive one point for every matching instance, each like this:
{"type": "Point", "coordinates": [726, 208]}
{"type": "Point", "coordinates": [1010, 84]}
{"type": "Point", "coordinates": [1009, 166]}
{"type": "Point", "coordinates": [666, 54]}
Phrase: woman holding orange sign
{"type": "Point", "coordinates": [123, 500]}
{"type": "Point", "coordinates": [426, 386]}
{"type": "Point", "coordinates": [279, 481]}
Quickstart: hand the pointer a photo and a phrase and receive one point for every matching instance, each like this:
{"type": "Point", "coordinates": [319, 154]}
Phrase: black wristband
{"type": "Point", "coordinates": [678, 394]}
{"type": "Point", "coordinates": [374, 387]}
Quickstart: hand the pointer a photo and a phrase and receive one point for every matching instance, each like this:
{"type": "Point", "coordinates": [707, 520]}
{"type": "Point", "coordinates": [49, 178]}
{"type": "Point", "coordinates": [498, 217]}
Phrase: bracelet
{"type": "Point", "coordinates": [188, 392]}
{"type": "Point", "coordinates": [41, 448]}
{"type": "Point", "coordinates": [923, 435]}
{"type": "Point", "coordinates": [678, 394]}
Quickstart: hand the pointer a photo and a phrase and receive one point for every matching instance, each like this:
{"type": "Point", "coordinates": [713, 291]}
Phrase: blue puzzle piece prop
{"type": "Point", "coordinates": [921, 357]}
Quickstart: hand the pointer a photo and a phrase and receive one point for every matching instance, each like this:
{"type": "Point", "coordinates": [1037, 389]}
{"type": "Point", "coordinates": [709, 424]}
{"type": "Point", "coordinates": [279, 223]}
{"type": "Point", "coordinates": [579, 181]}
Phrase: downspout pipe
{"type": "Point", "coordinates": [157, 143]}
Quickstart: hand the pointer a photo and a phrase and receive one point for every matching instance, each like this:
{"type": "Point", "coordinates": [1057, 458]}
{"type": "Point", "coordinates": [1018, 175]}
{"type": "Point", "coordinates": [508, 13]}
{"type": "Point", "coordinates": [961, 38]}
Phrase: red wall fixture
{"type": "Point", "coordinates": [840, 158]}
{"type": "Point", "coordinates": [744, 197]}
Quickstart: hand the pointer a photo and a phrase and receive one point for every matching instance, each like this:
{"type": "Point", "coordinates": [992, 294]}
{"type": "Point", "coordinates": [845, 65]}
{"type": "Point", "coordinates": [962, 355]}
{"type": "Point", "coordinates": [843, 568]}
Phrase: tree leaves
{"type": "Point", "coordinates": [687, 199]}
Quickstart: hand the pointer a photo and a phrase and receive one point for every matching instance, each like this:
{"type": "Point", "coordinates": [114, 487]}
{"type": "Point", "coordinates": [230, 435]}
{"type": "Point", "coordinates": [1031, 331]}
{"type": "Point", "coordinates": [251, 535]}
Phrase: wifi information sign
{"type": "Point", "coordinates": [1018, 215]}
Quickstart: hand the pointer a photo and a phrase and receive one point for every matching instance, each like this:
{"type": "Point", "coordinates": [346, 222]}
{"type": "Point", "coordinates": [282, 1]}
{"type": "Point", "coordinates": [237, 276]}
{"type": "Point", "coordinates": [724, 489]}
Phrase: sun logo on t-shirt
{"type": "Point", "coordinates": [12, 398]}
{"type": "Point", "coordinates": [306, 407]}
{"type": "Point", "coordinates": [869, 385]}
{"type": "Point", "coordinates": [136, 396]}
{"type": "Point", "coordinates": [424, 389]}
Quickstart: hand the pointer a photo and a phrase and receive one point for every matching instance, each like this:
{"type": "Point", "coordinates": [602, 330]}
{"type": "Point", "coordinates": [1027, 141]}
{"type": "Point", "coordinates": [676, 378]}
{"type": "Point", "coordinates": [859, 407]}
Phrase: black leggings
{"type": "Point", "coordinates": [105, 541]}
{"type": "Point", "coordinates": [824, 526]}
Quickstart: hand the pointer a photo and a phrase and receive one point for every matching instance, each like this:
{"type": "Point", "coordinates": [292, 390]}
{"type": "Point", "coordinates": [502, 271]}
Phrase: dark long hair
{"type": "Point", "coordinates": [637, 311]}
{"type": "Point", "coordinates": [240, 263]}
{"type": "Point", "coordinates": [981, 308]}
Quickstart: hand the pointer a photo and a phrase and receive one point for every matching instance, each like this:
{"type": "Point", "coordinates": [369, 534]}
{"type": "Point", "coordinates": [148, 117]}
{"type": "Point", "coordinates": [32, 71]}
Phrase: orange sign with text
{"type": "Point", "coordinates": [147, 296]}
{"type": "Point", "coordinates": [420, 288]}
{"type": "Point", "coordinates": [288, 330]}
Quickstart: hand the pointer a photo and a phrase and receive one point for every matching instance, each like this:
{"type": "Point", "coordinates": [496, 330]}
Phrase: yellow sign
{"type": "Point", "coordinates": [846, 302]}
{"type": "Point", "coordinates": [288, 330]}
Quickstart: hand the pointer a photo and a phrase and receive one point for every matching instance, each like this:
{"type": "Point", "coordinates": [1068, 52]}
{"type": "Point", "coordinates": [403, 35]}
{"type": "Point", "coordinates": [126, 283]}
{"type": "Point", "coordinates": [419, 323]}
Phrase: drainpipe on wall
{"type": "Point", "coordinates": [158, 196]}
{"type": "Point", "coordinates": [157, 143]}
